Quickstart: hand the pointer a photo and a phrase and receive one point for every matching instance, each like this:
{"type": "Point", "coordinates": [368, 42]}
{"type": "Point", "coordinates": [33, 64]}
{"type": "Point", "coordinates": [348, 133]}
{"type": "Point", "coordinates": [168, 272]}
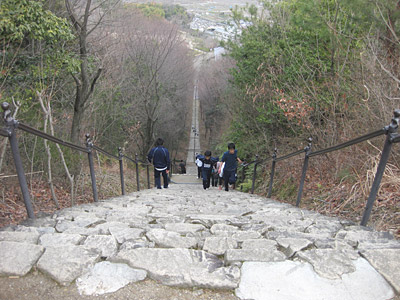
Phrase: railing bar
{"type": "Point", "coordinates": [41, 134]}
{"type": "Point", "coordinates": [105, 152]}
{"type": "Point", "coordinates": [396, 139]}
{"type": "Point", "coordinates": [290, 155]}
{"type": "Point", "coordinates": [349, 143]}
{"type": "Point", "coordinates": [127, 157]}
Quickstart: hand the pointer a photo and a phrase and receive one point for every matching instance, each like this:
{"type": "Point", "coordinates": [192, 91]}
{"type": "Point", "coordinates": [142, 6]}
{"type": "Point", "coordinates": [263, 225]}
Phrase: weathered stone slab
{"type": "Point", "coordinates": [223, 227]}
{"type": "Point", "coordinates": [123, 234]}
{"type": "Point", "coordinates": [39, 222]}
{"type": "Point", "coordinates": [331, 243]}
{"type": "Point", "coordinates": [184, 228]}
{"type": "Point", "coordinates": [209, 220]}
{"type": "Point", "coordinates": [240, 255]}
{"type": "Point", "coordinates": [63, 225]}
{"type": "Point", "coordinates": [378, 244]}
{"type": "Point", "coordinates": [356, 236]}
{"type": "Point", "coordinates": [83, 231]}
{"type": "Point", "coordinates": [241, 236]}
{"type": "Point", "coordinates": [19, 237]}
{"type": "Point", "coordinates": [137, 209]}
{"type": "Point", "coordinates": [65, 263]}
{"type": "Point", "coordinates": [40, 230]}
{"type": "Point", "coordinates": [104, 227]}
{"type": "Point", "coordinates": [297, 281]}
{"type": "Point", "coordinates": [292, 246]}
{"type": "Point", "coordinates": [387, 263]}
{"type": "Point", "coordinates": [182, 267]}
{"type": "Point", "coordinates": [219, 245]}
{"type": "Point", "coordinates": [106, 277]}
{"type": "Point", "coordinates": [57, 239]}
{"type": "Point", "coordinates": [170, 239]}
{"type": "Point", "coordinates": [106, 244]}
{"type": "Point", "coordinates": [330, 263]}
{"type": "Point", "coordinates": [80, 221]}
{"type": "Point", "coordinates": [259, 244]}
{"type": "Point", "coordinates": [140, 243]}
{"type": "Point", "coordinates": [273, 235]}
{"type": "Point", "coordinates": [330, 226]}
{"type": "Point", "coordinates": [87, 220]}
{"type": "Point", "coordinates": [18, 258]}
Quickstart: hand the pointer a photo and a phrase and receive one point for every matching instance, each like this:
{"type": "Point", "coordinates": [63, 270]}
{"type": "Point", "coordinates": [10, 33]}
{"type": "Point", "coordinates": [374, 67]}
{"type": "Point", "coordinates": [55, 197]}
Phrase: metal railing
{"type": "Point", "coordinates": [11, 126]}
{"type": "Point", "coordinates": [391, 137]}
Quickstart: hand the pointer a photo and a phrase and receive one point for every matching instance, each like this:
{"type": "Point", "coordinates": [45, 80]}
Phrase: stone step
{"type": "Point", "coordinates": [189, 237]}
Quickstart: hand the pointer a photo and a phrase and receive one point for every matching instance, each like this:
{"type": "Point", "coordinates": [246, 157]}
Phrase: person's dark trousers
{"type": "Point", "coordinates": [157, 178]}
{"type": "Point", "coordinates": [206, 175]}
{"type": "Point", "coordinates": [198, 172]}
{"type": "Point", "coordinates": [229, 178]}
{"type": "Point", "coordinates": [214, 181]}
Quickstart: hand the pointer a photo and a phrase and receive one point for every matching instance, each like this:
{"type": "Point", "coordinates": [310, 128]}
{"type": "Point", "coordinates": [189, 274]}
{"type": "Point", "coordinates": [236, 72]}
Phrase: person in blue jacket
{"type": "Point", "coordinates": [159, 156]}
{"type": "Point", "coordinates": [230, 159]}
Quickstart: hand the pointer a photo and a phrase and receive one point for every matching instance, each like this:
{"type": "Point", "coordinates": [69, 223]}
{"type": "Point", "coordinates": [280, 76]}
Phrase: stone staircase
{"type": "Point", "coordinates": [187, 237]}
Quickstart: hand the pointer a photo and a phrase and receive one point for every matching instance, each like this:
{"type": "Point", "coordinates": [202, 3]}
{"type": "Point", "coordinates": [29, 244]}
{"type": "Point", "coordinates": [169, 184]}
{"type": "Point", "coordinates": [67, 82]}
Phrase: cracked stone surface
{"type": "Point", "coordinates": [290, 280]}
{"type": "Point", "coordinates": [105, 277]}
{"type": "Point", "coordinates": [185, 236]}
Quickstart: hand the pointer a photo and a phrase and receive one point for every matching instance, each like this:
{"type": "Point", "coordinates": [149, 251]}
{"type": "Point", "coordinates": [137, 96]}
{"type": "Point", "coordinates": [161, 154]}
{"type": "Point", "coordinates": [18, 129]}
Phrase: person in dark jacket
{"type": "Point", "coordinates": [230, 159]}
{"type": "Point", "coordinates": [182, 167]}
{"type": "Point", "coordinates": [207, 167]}
{"type": "Point", "coordinates": [159, 156]}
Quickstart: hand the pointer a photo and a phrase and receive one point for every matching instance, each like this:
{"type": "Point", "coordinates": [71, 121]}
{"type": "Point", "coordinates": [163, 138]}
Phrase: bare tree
{"type": "Point", "coordinates": [86, 16]}
{"type": "Point", "coordinates": [158, 72]}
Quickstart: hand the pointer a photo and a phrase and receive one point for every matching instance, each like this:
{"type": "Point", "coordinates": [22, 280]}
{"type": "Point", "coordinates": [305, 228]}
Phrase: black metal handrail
{"type": "Point", "coordinates": [10, 131]}
{"type": "Point", "coordinates": [49, 137]}
{"type": "Point", "coordinates": [392, 137]}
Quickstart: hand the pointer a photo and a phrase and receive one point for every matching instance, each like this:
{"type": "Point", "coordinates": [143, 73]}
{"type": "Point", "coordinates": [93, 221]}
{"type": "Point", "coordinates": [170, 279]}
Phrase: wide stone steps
{"type": "Point", "coordinates": [187, 237]}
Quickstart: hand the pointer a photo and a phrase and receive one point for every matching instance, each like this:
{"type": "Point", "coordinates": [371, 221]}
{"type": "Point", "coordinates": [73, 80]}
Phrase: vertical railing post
{"type": "Point", "coordinates": [307, 150]}
{"type": "Point", "coordinates": [148, 176]}
{"type": "Point", "coordinates": [390, 132]}
{"type": "Point", "coordinates": [11, 124]}
{"type": "Point", "coordinates": [254, 175]}
{"type": "Point", "coordinates": [242, 179]}
{"type": "Point", "coordinates": [271, 179]}
{"type": "Point", "coordinates": [121, 170]}
{"type": "Point", "coordinates": [137, 172]}
{"type": "Point", "coordinates": [89, 145]}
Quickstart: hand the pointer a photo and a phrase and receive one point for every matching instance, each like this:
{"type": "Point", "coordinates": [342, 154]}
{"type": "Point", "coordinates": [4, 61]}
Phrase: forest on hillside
{"type": "Point", "coordinates": [325, 69]}
{"type": "Point", "coordinates": [121, 72]}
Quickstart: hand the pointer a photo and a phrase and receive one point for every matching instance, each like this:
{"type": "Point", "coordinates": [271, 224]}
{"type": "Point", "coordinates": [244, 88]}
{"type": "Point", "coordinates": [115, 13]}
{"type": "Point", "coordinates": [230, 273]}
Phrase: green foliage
{"type": "Point", "coordinates": [34, 52]}
{"type": "Point", "coordinates": [21, 19]}
{"type": "Point", "coordinates": [148, 9]}
{"type": "Point", "coordinates": [175, 11]}
{"type": "Point", "coordinates": [286, 190]}
{"type": "Point", "coordinates": [245, 186]}
{"type": "Point", "coordinates": [294, 64]}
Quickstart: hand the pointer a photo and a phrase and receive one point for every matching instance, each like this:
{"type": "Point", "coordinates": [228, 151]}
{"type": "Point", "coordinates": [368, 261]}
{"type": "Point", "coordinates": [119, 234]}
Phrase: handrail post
{"type": "Point", "coordinates": [11, 124]}
{"type": "Point", "coordinates": [121, 170]}
{"type": "Point", "coordinates": [307, 150]}
{"type": "Point", "coordinates": [254, 174]}
{"type": "Point", "coordinates": [390, 132]}
{"type": "Point", "coordinates": [137, 172]}
{"type": "Point", "coordinates": [242, 179]}
{"type": "Point", "coordinates": [148, 176]}
{"type": "Point", "coordinates": [271, 179]}
{"type": "Point", "coordinates": [89, 145]}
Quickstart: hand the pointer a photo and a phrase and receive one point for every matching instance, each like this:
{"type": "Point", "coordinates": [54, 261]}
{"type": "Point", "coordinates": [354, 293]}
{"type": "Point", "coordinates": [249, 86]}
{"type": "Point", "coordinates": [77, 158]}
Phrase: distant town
{"type": "Point", "coordinates": [210, 17]}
